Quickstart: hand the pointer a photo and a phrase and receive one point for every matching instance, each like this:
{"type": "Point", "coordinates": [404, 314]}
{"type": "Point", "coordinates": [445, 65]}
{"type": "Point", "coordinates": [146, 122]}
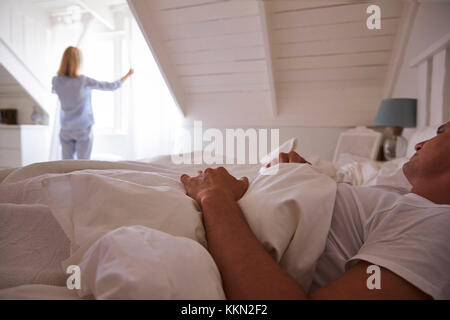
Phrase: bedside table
{"type": "Point", "coordinates": [21, 145]}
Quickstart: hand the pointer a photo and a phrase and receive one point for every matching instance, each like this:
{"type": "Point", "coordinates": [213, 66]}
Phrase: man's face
{"type": "Point", "coordinates": [432, 157]}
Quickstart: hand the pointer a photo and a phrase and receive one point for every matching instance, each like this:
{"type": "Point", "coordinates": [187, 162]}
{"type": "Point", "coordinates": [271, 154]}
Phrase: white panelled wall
{"type": "Point", "coordinates": [287, 63]}
{"type": "Point", "coordinates": [425, 67]}
{"type": "Point", "coordinates": [25, 28]}
{"type": "Point", "coordinates": [434, 83]}
{"type": "Point", "coordinates": [296, 65]}
{"type": "Point", "coordinates": [303, 66]}
{"type": "Point", "coordinates": [24, 53]}
{"type": "Point", "coordinates": [24, 82]}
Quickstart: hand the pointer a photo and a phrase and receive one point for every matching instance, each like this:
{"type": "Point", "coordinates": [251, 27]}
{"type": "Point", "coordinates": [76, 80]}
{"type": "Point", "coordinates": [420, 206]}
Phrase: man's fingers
{"type": "Point", "coordinates": [274, 162]}
{"type": "Point", "coordinates": [283, 157]}
{"type": "Point", "coordinates": [184, 178]}
{"type": "Point", "coordinates": [245, 183]}
{"type": "Point", "coordinates": [295, 157]}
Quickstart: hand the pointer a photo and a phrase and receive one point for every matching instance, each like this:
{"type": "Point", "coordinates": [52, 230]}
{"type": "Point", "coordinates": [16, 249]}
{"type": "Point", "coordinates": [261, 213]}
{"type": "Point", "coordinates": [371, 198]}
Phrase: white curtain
{"type": "Point", "coordinates": [55, 144]}
{"type": "Point", "coordinates": [155, 118]}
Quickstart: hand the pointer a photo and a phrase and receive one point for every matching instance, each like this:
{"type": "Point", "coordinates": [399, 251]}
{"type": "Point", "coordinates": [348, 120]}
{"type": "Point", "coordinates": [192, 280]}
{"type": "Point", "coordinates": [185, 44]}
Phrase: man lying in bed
{"type": "Point", "coordinates": [406, 235]}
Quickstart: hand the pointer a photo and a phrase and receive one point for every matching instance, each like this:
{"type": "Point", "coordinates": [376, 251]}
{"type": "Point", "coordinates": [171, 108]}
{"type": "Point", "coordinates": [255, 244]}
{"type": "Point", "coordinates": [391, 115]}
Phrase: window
{"type": "Point", "coordinates": [102, 60]}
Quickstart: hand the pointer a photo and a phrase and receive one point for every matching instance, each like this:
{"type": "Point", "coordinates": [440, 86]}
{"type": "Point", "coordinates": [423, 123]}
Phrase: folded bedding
{"type": "Point", "coordinates": [120, 218]}
{"type": "Point", "coordinates": [369, 173]}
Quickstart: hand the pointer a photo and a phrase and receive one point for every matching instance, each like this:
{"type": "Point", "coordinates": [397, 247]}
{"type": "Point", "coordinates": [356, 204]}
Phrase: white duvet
{"type": "Point", "coordinates": [136, 235]}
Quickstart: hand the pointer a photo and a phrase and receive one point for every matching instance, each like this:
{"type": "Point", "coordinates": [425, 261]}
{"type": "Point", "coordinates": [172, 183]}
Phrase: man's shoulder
{"type": "Point", "coordinates": [388, 188]}
{"type": "Point", "coordinates": [370, 198]}
{"type": "Point", "coordinates": [374, 189]}
{"type": "Point", "coordinates": [382, 197]}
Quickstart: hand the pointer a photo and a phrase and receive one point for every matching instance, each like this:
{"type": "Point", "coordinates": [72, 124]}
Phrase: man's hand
{"type": "Point", "coordinates": [246, 269]}
{"type": "Point", "coordinates": [291, 157]}
{"type": "Point", "coordinates": [214, 181]}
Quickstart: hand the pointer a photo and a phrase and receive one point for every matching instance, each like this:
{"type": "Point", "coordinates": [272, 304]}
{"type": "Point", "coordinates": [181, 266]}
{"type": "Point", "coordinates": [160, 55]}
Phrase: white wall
{"type": "Point", "coordinates": [25, 31]}
{"type": "Point", "coordinates": [431, 24]}
{"type": "Point", "coordinates": [319, 142]}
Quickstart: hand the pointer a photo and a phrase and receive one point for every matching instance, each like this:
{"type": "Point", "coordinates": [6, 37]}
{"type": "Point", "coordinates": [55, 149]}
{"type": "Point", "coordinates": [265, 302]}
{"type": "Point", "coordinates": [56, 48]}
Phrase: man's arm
{"type": "Point", "coordinates": [248, 271]}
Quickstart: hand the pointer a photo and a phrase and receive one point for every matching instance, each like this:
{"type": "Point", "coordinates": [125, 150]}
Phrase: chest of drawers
{"type": "Point", "coordinates": [21, 145]}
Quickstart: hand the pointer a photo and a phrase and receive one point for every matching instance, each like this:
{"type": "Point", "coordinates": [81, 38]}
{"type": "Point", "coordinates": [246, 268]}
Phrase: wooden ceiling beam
{"type": "Point", "coordinates": [401, 41]}
{"type": "Point", "coordinates": [100, 10]}
{"type": "Point", "coordinates": [264, 15]}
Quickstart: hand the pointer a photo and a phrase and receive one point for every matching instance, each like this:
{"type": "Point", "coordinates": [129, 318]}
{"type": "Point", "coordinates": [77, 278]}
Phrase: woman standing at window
{"type": "Point", "coordinates": [74, 93]}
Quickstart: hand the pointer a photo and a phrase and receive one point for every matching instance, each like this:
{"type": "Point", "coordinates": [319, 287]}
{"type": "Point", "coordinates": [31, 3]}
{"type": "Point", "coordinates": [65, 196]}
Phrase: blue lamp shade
{"type": "Point", "coordinates": [399, 112]}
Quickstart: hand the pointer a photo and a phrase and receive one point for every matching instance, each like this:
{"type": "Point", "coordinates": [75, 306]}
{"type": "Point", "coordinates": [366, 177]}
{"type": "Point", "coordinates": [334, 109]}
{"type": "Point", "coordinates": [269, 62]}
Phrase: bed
{"type": "Point", "coordinates": [55, 215]}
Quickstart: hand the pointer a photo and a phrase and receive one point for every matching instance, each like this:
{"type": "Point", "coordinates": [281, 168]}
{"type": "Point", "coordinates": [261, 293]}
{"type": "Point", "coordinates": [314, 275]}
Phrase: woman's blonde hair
{"type": "Point", "coordinates": [70, 63]}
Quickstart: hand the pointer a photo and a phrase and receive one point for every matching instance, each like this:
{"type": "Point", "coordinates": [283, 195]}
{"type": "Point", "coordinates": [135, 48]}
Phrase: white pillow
{"type": "Point", "coordinates": [136, 262]}
{"type": "Point", "coordinates": [88, 206]}
{"type": "Point", "coordinates": [372, 173]}
{"type": "Point", "coordinates": [290, 214]}
{"type": "Point", "coordinates": [391, 174]}
{"type": "Point", "coordinates": [346, 158]}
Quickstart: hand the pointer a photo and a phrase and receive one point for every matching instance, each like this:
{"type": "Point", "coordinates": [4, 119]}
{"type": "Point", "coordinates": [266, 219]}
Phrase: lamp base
{"type": "Point", "coordinates": [395, 147]}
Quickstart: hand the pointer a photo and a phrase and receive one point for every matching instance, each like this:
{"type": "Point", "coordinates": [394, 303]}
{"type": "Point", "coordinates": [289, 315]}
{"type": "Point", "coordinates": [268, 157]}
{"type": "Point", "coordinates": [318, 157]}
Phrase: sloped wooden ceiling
{"type": "Point", "coordinates": [292, 62]}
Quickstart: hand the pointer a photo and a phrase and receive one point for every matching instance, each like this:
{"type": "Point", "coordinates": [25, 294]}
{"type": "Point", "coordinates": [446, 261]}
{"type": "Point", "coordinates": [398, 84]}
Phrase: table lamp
{"type": "Point", "coordinates": [397, 113]}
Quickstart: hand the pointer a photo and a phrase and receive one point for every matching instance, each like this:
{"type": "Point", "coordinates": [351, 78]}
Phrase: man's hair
{"type": "Point", "coordinates": [70, 63]}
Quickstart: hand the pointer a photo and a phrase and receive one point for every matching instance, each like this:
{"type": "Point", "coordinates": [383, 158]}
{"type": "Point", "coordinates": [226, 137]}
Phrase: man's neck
{"type": "Point", "coordinates": [435, 190]}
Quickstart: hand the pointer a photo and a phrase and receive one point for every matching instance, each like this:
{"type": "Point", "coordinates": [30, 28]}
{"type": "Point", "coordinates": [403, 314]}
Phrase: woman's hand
{"type": "Point", "coordinates": [291, 157]}
{"type": "Point", "coordinates": [130, 72]}
{"type": "Point", "coordinates": [213, 182]}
